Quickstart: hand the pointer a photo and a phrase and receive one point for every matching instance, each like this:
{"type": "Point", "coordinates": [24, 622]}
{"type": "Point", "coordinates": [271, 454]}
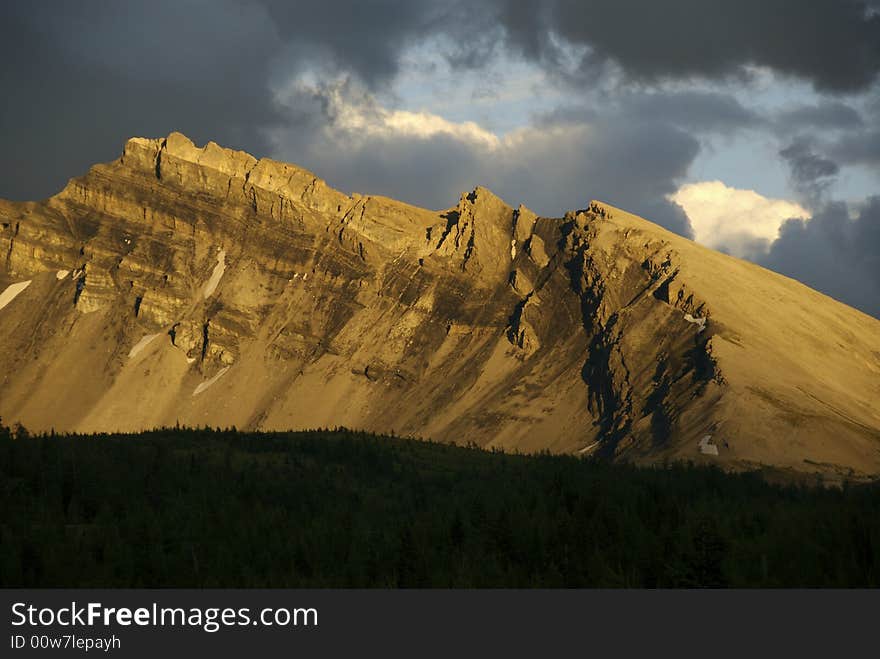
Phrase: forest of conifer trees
{"type": "Point", "coordinates": [221, 508]}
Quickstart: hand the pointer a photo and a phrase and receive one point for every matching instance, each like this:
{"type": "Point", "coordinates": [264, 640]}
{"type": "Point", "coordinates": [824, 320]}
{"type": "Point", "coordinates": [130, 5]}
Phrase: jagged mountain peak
{"type": "Point", "coordinates": [203, 285]}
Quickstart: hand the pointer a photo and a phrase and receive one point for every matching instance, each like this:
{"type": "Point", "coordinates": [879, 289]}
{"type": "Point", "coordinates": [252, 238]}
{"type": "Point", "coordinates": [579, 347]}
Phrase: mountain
{"type": "Point", "coordinates": [202, 286]}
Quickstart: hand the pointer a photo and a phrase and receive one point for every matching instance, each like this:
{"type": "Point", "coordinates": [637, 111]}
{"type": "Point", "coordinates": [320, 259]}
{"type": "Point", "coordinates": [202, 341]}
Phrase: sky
{"type": "Point", "coordinates": [751, 126]}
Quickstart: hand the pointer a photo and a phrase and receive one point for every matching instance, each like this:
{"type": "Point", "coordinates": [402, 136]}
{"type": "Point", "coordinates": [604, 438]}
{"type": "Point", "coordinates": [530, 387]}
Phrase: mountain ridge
{"type": "Point", "coordinates": [283, 303]}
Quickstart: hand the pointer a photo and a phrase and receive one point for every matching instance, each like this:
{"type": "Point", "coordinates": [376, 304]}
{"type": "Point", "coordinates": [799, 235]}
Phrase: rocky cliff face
{"type": "Point", "coordinates": [202, 286]}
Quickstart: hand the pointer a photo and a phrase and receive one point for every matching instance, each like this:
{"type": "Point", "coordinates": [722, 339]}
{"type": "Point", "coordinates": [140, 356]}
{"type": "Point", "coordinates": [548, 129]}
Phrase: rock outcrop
{"type": "Point", "coordinates": [257, 296]}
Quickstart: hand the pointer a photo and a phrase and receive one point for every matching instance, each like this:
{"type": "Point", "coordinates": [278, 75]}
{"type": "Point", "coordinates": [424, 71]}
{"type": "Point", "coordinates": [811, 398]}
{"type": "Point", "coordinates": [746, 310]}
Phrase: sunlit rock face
{"type": "Point", "coordinates": [279, 302]}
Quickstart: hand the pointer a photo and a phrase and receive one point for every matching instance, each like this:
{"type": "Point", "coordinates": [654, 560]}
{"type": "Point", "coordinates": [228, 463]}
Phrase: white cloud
{"type": "Point", "coordinates": [354, 114]}
{"type": "Point", "coordinates": [741, 222]}
{"type": "Point", "coordinates": [426, 125]}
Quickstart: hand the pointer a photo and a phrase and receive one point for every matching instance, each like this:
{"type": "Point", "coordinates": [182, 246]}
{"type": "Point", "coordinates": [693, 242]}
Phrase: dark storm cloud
{"type": "Point", "coordinates": [695, 112]}
{"type": "Point", "coordinates": [834, 253]}
{"type": "Point", "coordinates": [80, 78]}
{"type": "Point", "coordinates": [633, 165]}
{"type": "Point", "coordinates": [811, 173]}
{"type": "Point", "coordinates": [364, 37]}
{"type": "Point", "coordinates": [828, 115]}
{"type": "Point", "coordinates": [860, 146]}
{"type": "Point", "coordinates": [835, 44]}
{"type": "Point", "coordinates": [429, 172]}
{"type": "Point", "coordinates": [858, 149]}
{"type": "Point", "coordinates": [700, 112]}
